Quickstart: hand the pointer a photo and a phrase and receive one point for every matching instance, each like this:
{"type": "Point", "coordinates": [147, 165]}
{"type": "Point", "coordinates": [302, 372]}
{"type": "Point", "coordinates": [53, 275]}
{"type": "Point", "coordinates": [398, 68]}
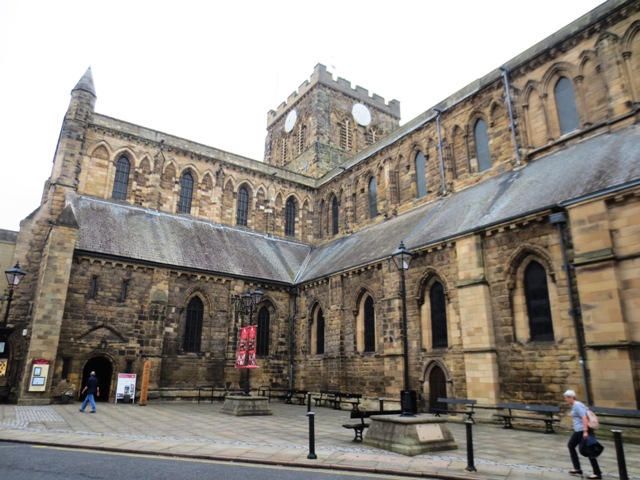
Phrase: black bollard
{"type": "Point", "coordinates": [381, 400]}
{"type": "Point", "coordinates": [308, 402]}
{"type": "Point", "coordinates": [312, 437]}
{"type": "Point", "coordinates": [622, 464]}
{"type": "Point", "coordinates": [470, 466]}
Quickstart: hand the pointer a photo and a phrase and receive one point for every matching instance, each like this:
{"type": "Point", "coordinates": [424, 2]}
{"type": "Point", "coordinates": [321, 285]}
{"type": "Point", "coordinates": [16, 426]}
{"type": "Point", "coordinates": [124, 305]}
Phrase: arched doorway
{"type": "Point", "coordinates": [104, 371]}
{"type": "Point", "coordinates": [437, 387]}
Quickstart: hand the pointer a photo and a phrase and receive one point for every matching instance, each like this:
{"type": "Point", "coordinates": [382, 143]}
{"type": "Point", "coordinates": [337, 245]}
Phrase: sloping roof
{"type": "Point", "coordinates": [124, 231]}
{"type": "Point", "coordinates": [593, 166]}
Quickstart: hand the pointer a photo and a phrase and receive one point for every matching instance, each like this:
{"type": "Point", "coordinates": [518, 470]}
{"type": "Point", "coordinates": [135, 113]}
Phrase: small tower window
{"type": "Point", "coordinates": [346, 135]}
{"type": "Point", "coordinates": [373, 135]}
{"type": "Point", "coordinates": [290, 217]}
{"type": "Point", "coordinates": [566, 105]}
{"type": "Point", "coordinates": [186, 192]}
{"type": "Point", "coordinates": [93, 287]}
{"type": "Point", "coordinates": [283, 152]}
{"type": "Point", "coordinates": [300, 138]}
{"type": "Point", "coordinates": [421, 175]}
{"type": "Point", "coordinates": [481, 137]}
{"type": "Point", "coordinates": [373, 198]}
{"type": "Point", "coordinates": [121, 180]}
{"type": "Point", "coordinates": [243, 207]}
{"type": "Point", "coordinates": [335, 216]}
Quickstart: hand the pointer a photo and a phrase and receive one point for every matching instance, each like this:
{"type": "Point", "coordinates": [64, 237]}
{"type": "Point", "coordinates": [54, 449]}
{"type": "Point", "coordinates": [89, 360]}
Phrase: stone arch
{"type": "Point", "coordinates": [362, 293]}
{"type": "Point", "coordinates": [460, 161]}
{"type": "Point", "coordinates": [473, 119]}
{"type": "Point", "coordinates": [429, 390]}
{"type": "Point", "coordinates": [535, 115]}
{"type": "Point", "coordinates": [514, 277]}
{"type": "Point", "coordinates": [593, 88]}
{"type": "Point", "coordinates": [430, 276]}
{"type": "Point", "coordinates": [312, 332]}
{"type": "Point", "coordinates": [549, 82]}
{"type": "Point", "coordinates": [630, 44]}
{"type": "Point", "coordinates": [101, 326]}
{"type": "Point", "coordinates": [101, 150]}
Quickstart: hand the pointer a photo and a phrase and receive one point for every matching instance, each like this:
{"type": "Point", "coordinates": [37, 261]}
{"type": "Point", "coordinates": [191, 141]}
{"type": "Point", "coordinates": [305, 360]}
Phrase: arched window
{"type": "Point", "coordinates": [243, 207]}
{"type": "Point", "coordinates": [369, 326]}
{"type": "Point", "coordinates": [566, 106]}
{"type": "Point", "coordinates": [438, 316]}
{"type": "Point", "coordinates": [193, 326]}
{"type": "Point", "coordinates": [373, 198]}
{"type": "Point", "coordinates": [482, 145]}
{"type": "Point", "coordinates": [121, 180]}
{"type": "Point", "coordinates": [421, 175]}
{"type": "Point", "coordinates": [290, 217]}
{"type": "Point", "coordinates": [186, 191]}
{"type": "Point", "coordinates": [319, 332]}
{"type": "Point", "coordinates": [264, 330]}
{"type": "Point", "coordinates": [538, 306]}
{"type": "Point", "coordinates": [335, 216]}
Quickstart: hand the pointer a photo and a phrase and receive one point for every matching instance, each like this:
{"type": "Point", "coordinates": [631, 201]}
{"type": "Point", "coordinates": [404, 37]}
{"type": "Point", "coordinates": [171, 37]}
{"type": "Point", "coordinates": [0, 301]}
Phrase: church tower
{"type": "Point", "coordinates": [325, 123]}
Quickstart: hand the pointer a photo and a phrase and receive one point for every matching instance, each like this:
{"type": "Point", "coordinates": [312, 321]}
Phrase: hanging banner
{"type": "Point", "coordinates": [246, 356]}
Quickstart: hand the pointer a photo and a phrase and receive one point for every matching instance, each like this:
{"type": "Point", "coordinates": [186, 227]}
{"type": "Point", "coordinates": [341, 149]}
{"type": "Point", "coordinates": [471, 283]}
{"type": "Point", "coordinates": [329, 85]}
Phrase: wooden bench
{"type": "Point", "coordinates": [352, 399]}
{"type": "Point", "coordinates": [298, 395]}
{"type": "Point", "coordinates": [443, 406]}
{"type": "Point", "coordinates": [326, 397]}
{"type": "Point", "coordinates": [358, 428]}
{"type": "Point", "coordinates": [544, 413]}
{"type": "Point", "coordinates": [614, 416]}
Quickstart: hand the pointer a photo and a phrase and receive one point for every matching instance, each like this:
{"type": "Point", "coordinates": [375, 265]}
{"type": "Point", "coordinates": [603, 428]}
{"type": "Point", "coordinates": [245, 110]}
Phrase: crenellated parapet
{"type": "Point", "coordinates": [321, 76]}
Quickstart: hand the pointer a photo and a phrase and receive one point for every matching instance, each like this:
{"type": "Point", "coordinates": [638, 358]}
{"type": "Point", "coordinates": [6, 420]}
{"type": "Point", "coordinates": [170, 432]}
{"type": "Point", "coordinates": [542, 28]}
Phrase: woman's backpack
{"type": "Point", "coordinates": [592, 420]}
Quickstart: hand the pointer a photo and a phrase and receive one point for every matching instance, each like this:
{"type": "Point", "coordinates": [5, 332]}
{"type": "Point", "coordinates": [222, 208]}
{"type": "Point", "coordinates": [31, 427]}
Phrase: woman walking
{"type": "Point", "coordinates": [580, 433]}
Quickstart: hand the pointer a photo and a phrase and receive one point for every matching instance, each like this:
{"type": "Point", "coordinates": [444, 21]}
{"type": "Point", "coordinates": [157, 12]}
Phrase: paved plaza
{"type": "Point", "coordinates": [202, 431]}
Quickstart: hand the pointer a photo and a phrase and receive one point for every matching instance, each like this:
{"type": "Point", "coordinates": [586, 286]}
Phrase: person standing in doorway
{"type": "Point", "coordinates": [580, 433]}
{"type": "Point", "coordinates": [92, 388]}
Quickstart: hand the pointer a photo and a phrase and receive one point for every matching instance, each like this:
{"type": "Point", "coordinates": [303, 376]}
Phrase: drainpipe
{"type": "Point", "coordinates": [512, 124]}
{"type": "Point", "coordinates": [292, 336]}
{"type": "Point", "coordinates": [559, 220]}
{"type": "Point", "coordinates": [444, 181]}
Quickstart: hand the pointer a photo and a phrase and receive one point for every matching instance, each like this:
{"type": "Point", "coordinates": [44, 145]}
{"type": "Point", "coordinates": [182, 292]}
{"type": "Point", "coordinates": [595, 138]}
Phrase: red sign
{"type": "Point", "coordinates": [246, 357]}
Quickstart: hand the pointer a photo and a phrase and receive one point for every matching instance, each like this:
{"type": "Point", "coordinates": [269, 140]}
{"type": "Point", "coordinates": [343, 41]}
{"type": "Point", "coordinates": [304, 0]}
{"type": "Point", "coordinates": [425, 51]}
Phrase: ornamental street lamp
{"type": "Point", "coordinates": [14, 276]}
{"type": "Point", "coordinates": [402, 258]}
{"type": "Point", "coordinates": [245, 305]}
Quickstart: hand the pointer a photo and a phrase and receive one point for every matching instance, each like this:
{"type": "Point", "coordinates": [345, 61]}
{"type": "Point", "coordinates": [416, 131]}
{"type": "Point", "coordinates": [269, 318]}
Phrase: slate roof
{"type": "Point", "coordinates": [593, 166]}
{"type": "Point", "coordinates": [119, 230]}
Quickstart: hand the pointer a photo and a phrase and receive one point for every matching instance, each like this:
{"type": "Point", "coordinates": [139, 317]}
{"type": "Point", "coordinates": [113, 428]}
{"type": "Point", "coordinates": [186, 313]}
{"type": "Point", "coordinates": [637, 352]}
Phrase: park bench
{"type": "Point", "coordinates": [358, 428]}
{"type": "Point", "coordinates": [326, 398]}
{"type": "Point", "coordinates": [544, 413]}
{"type": "Point", "coordinates": [298, 395]}
{"type": "Point", "coordinates": [444, 406]}
{"type": "Point", "coordinates": [352, 399]}
{"type": "Point", "coordinates": [617, 417]}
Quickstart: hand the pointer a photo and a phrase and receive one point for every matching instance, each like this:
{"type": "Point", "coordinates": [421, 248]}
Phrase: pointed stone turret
{"type": "Point", "coordinates": [86, 83]}
{"type": "Point", "coordinates": [78, 116]}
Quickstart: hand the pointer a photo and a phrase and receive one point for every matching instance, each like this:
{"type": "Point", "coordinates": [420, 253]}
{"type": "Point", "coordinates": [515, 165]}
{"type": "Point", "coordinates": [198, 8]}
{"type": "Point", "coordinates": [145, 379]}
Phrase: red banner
{"type": "Point", "coordinates": [246, 357]}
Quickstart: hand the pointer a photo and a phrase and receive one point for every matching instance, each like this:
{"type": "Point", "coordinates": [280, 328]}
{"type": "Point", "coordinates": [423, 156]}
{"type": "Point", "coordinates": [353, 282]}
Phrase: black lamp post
{"type": "Point", "coordinates": [246, 304]}
{"type": "Point", "coordinates": [14, 276]}
{"type": "Point", "coordinates": [402, 258]}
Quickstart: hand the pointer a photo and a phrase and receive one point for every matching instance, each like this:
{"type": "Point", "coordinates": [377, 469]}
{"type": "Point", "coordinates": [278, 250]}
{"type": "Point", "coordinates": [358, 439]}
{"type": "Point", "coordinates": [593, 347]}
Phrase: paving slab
{"type": "Point", "coordinates": [194, 430]}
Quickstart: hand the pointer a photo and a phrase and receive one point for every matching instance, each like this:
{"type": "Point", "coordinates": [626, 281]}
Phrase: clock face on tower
{"type": "Point", "coordinates": [361, 113]}
{"type": "Point", "coordinates": [290, 121]}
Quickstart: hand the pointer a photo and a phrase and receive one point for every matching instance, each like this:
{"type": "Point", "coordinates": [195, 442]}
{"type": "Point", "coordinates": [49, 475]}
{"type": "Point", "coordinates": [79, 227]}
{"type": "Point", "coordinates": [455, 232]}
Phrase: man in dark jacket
{"type": "Point", "coordinates": [92, 388]}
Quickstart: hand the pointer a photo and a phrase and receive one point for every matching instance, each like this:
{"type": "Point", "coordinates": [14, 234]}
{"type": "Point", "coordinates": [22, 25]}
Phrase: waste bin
{"type": "Point", "coordinates": [409, 402]}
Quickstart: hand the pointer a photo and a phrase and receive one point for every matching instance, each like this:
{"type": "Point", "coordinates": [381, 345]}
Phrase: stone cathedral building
{"type": "Point", "coordinates": [519, 197]}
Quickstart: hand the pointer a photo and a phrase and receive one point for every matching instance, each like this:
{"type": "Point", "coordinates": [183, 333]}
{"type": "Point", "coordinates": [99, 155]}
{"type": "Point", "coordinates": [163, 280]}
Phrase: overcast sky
{"type": "Point", "coordinates": [210, 71]}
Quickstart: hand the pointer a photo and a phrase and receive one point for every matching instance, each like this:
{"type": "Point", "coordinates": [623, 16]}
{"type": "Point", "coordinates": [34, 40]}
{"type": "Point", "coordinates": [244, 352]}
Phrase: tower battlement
{"type": "Point", "coordinates": [321, 76]}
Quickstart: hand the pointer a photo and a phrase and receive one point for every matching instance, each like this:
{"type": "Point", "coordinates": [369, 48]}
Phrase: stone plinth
{"type": "Point", "coordinates": [240, 405]}
{"type": "Point", "coordinates": [409, 435]}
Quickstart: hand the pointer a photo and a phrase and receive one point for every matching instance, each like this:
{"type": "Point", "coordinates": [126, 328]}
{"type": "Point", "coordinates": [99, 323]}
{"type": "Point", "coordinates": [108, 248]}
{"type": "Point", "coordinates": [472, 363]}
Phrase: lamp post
{"type": "Point", "coordinates": [14, 276]}
{"type": "Point", "coordinates": [246, 304]}
{"type": "Point", "coordinates": [402, 258]}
